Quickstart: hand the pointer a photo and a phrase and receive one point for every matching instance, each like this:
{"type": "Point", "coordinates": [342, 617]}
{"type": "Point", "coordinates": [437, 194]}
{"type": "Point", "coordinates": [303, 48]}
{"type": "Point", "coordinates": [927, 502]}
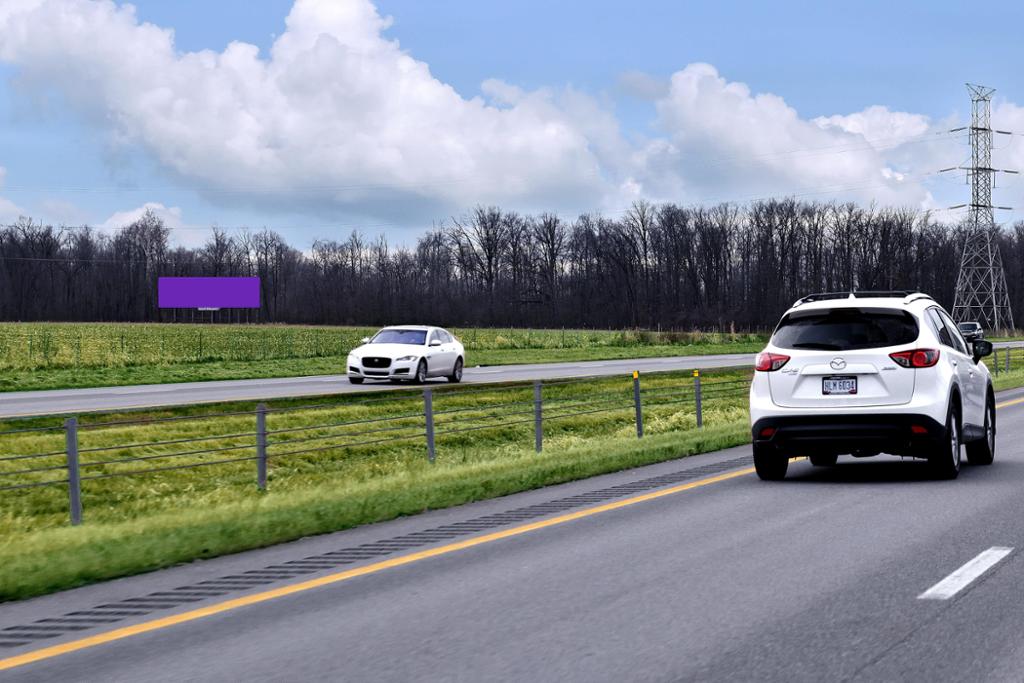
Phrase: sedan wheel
{"type": "Point", "coordinates": [421, 372]}
{"type": "Point", "coordinates": [456, 375]}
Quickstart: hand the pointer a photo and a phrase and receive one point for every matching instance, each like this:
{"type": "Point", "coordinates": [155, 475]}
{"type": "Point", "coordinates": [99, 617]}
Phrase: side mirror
{"type": "Point", "coordinates": [365, 340]}
{"type": "Point", "coordinates": [435, 342]}
{"type": "Point", "coordinates": [982, 348]}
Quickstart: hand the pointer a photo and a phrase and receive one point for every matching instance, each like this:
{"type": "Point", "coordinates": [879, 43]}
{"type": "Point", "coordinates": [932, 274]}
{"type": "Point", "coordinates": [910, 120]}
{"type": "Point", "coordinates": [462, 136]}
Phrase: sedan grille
{"type": "Point", "coordinates": [376, 362]}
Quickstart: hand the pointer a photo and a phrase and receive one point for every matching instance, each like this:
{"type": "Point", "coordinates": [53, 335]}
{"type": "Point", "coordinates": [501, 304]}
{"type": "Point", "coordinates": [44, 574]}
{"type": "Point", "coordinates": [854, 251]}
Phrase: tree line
{"type": "Point", "coordinates": [655, 266]}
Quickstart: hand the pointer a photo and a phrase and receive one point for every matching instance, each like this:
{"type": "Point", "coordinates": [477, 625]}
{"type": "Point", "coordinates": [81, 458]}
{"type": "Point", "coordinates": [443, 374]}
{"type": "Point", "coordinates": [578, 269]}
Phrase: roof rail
{"type": "Point", "coordinates": [906, 294]}
{"type": "Point", "coordinates": [917, 296]}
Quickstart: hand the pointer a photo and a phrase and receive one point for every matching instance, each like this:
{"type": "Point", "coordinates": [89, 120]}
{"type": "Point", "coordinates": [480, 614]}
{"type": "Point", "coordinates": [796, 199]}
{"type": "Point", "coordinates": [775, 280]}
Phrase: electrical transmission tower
{"type": "Point", "coordinates": [981, 285]}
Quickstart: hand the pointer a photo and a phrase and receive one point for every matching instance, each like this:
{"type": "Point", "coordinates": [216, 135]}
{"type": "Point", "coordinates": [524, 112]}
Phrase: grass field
{"type": "Point", "coordinates": [36, 356]}
{"type": "Point", "coordinates": [143, 522]}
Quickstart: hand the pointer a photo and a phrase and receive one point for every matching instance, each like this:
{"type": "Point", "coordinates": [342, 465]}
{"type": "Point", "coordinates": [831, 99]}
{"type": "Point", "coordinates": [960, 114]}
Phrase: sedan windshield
{"type": "Point", "coordinates": [393, 336]}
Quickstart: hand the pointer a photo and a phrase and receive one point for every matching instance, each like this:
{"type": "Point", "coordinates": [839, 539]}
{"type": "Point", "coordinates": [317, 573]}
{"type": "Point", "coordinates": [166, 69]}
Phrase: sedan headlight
{"type": "Point", "coordinates": [405, 358]}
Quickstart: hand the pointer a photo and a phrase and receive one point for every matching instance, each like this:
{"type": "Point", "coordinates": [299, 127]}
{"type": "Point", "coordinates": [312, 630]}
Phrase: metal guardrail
{"type": "Point", "coordinates": [1007, 358]}
{"type": "Point", "coordinates": [77, 463]}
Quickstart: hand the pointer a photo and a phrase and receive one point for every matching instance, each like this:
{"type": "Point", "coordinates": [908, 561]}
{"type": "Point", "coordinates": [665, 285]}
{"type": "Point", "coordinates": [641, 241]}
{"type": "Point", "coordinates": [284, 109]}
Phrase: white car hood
{"type": "Point", "coordinates": [391, 351]}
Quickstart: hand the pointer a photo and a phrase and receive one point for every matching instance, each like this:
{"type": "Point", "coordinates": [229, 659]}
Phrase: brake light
{"type": "Point", "coordinates": [770, 362]}
{"type": "Point", "coordinates": [918, 358]}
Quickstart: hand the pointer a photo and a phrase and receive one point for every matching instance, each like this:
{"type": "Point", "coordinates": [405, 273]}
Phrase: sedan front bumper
{"type": "Point", "coordinates": [397, 370]}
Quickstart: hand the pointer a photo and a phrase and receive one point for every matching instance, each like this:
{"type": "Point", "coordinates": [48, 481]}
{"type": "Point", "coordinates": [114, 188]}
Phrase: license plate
{"type": "Point", "coordinates": [838, 385]}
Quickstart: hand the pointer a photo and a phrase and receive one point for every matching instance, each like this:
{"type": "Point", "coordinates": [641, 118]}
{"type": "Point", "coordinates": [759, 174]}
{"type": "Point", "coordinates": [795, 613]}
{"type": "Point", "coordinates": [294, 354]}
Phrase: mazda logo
{"type": "Point", "coordinates": [838, 364]}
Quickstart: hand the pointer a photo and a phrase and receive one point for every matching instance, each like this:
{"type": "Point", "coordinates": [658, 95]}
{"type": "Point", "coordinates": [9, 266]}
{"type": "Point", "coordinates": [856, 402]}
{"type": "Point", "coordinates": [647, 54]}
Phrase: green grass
{"type": "Point", "coordinates": [140, 523]}
{"type": "Point", "coordinates": [37, 356]}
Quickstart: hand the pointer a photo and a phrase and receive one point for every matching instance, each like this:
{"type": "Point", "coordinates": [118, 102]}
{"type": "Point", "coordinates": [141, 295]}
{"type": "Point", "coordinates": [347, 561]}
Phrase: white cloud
{"type": "Point", "coordinates": [721, 141]}
{"type": "Point", "coordinates": [338, 116]}
{"type": "Point", "coordinates": [878, 123]}
{"type": "Point", "coordinates": [171, 216]}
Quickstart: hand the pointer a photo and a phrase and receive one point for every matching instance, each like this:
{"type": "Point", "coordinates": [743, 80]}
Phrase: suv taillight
{"type": "Point", "coordinates": [770, 362]}
{"type": "Point", "coordinates": [918, 358]}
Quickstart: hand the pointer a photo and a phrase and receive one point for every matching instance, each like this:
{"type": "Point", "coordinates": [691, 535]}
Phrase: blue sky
{"type": "Point", "coordinates": [89, 157]}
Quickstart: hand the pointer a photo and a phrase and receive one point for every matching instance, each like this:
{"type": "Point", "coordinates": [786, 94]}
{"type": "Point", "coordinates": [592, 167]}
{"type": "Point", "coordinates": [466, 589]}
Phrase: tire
{"type": "Point", "coordinates": [945, 461]}
{"type": "Point", "coordinates": [983, 451]}
{"type": "Point", "coordinates": [421, 373]}
{"type": "Point", "coordinates": [824, 460]}
{"type": "Point", "coordinates": [355, 380]}
{"type": "Point", "coordinates": [456, 375]}
{"type": "Point", "coordinates": [769, 463]}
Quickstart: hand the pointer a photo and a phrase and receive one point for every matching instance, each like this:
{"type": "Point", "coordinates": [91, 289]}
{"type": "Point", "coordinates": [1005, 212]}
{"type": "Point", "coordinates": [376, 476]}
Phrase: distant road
{"type": "Point", "coordinates": [63, 401]}
{"type": "Point", "coordinates": [66, 401]}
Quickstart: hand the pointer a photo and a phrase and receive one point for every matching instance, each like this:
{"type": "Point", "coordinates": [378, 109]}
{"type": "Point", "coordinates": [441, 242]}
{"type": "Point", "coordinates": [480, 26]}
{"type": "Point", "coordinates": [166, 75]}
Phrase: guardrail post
{"type": "Point", "coordinates": [636, 404]}
{"type": "Point", "coordinates": [699, 398]}
{"type": "Point", "coordinates": [1007, 354]}
{"type": "Point", "coordinates": [428, 414]}
{"type": "Point", "coordinates": [538, 417]}
{"type": "Point", "coordinates": [74, 476]}
{"type": "Point", "coordinates": [261, 446]}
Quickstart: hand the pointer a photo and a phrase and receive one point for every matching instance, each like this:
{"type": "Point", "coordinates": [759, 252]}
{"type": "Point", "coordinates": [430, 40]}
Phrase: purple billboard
{"type": "Point", "coordinates": [208, 292]}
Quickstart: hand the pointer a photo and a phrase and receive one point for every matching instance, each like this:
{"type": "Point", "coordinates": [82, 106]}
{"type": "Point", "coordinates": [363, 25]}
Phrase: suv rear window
{"type": "Point", "coordinates": [845, 329]}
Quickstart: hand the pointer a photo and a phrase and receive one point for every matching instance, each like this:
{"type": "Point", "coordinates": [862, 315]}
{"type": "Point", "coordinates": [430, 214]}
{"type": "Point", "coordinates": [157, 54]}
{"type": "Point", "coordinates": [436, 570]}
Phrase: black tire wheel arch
{"type": "Point", "coordinates": [945, 464]}
{"type": "Point", "coordinates": [983, 451]}
{"type": "Point", "coordinates": [770, 464]}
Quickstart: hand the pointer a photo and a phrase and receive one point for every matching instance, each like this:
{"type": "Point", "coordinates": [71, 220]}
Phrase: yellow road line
{"type": "Point", "coordinates": [227, 605]}
{"type": "Point", "coordinates": [1010, 403]}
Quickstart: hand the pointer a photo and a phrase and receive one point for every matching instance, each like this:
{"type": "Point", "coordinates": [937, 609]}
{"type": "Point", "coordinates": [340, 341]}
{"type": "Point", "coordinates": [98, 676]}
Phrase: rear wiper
{"type": "Point", "coordinates": [817, 345]}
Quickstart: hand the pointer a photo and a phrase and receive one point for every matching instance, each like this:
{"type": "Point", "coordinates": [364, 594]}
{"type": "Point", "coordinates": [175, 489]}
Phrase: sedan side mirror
{"type": "Point", "coordinates": [435, 342]}
{"type": "Point", "coordinates": [366, 340]}
{"type": "Point", "coordinates": [982, 348]}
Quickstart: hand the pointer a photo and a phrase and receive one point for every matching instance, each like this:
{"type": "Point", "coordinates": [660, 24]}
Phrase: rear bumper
{"type": "Point", "coordinates": [899, 434]}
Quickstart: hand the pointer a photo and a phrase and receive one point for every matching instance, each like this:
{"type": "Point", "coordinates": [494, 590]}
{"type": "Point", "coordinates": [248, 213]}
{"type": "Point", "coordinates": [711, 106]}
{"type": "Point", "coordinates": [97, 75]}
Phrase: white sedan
{"type": "Point", "coordinates": [407, 352]}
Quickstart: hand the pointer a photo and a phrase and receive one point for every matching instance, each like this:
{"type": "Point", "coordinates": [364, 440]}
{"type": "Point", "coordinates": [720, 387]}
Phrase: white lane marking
{"type": "Point", "coordinates": [962, 577]}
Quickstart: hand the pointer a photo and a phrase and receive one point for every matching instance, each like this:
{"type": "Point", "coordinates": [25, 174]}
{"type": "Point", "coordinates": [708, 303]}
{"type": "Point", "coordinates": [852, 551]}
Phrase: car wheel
{"type": "Point", "coordinates": [355, 380]}
{"type": "Point", "coordinates": [824, 460]}
{"type": "Point", "coordinates": [421, 372]}
{"type": "Point", "coordinates": [945, 462]}
{"type": "Point", "coordinates": [983, 451]}
{"type": "Point", "coordinates": [456, 375]}
{"type": "Point", "coordinates": [769, 464]}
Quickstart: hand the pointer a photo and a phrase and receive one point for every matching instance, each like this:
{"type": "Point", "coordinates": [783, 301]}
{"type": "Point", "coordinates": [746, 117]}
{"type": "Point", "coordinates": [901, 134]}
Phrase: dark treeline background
{"type": "Point", "coordinates": [721, 267]}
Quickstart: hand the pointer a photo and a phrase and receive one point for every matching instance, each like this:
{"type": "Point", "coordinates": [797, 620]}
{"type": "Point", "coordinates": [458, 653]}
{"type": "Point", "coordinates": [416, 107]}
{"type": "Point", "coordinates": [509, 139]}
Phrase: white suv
{"type": "Point", "coordinates": [865, 373]}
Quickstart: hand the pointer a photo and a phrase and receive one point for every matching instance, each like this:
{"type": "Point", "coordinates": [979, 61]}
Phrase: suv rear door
{"type": "Point", "coordinates": [843, 350]}
{"type": "Point", "coordinates": [968, 375]}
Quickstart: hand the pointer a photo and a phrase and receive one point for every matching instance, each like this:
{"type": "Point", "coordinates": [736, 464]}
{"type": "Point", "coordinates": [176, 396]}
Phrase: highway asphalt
{"type": "Point", "coordinates": [710, 575]}
{"type": "Point", "coordinates": [67, 401]}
